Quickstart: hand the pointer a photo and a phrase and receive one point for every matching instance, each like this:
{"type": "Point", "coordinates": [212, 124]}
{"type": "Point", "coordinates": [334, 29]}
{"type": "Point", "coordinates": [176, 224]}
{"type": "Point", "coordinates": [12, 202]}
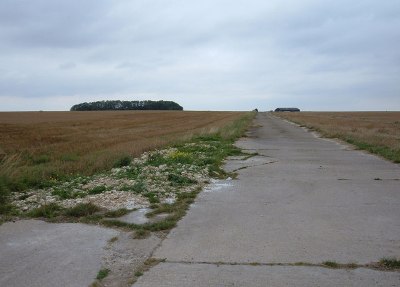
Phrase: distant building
{"type": "Point", "coordinates": [287, 110]}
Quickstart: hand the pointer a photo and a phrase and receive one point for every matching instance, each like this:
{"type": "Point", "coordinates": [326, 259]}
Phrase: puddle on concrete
{"type": "Point", "coordinates": [218, 185]}
{"type": "Point", "coordinates": [136, 217]}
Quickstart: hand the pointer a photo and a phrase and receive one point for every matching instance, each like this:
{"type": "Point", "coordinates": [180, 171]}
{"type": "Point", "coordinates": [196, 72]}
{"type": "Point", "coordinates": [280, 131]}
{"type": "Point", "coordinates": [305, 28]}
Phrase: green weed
{"type": "Point", "coordinates": [390, 263]}
{"type": "Point", "coordinates": [331, 264]}
{"type": "Point", "coordinates": [117, 213]}
{"type": "Point", "coordinates": [82, 209]}
{"type": "Point", "coordinates": [98, 189]}
{"type": "Point", "coordinates": [179, 180]}
{"type": "Point", "coordinates": [50, 210]}
{"type": "Point", "coordinates": [123, 161]}
{"type": "Point", "coordinates": [103, 273]}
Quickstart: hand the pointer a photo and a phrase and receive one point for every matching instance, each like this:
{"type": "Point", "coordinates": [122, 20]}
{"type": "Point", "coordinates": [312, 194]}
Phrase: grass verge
{"type": "Point", "coordinates": [375, 132]}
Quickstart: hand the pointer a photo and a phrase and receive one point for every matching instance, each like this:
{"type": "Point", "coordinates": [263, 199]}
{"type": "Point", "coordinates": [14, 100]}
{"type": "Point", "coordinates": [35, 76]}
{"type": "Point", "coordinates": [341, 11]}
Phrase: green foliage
{"type": "Point", "coordinates": [179, 180]}
{"type": "Point", "coordinates": [66, 192]}
{"type": "Point", "coordinates": [69, 157]}
{"type": "Point", "coordinates": [4, 194]}
{"type": "Point", "coordinates": [390, 263]}
{"type": "Point", "coordinates": [331, 264]}
{"type": "Point", "coordinates": [44, 158]}
{"type": "Point", "coordinates": [123, 161]}
{"type": "Point", "coordinates": [152, 197]}
{"type": "Point", "coordinates": [141, 234]}
{"type": "Point", "coordinates": [50, 210]}
{"type": "Point", "coordinates": [98, 189]}
{"type": "Point", "coordinates": [139, 187]}
{"type": "Point", "coordinates": [103, 273]}
{"type": "Point", "coordinates": [386, 152]}
{"type": "Point", "coordinates": [82, 209]}
{"type": "Point", "coordinates": [117, 213]}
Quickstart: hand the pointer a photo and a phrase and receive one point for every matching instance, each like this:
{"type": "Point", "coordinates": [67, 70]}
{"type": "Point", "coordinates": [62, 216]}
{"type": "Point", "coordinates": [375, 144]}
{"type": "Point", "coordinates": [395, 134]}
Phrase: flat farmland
{"type": "Point", "coordinates": [376, 132]}
{"type": "Point", "coordinates": [35, 146]}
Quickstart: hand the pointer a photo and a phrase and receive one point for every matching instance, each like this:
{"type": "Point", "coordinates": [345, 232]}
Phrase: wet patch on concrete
{"type": "Point", "coordinates": [218, 185]}
{"type": "Point", "coordinates": [136, 217]}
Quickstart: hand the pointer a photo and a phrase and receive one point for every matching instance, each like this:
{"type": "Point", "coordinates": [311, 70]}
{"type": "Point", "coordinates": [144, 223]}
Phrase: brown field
{"type": "Point", "coordinates": [377, 132]}
{"type": "Point", "coordinates": [40, 145]}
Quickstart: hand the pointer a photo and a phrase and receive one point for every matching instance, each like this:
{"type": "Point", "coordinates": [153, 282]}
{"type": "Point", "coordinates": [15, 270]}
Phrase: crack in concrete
{"type": "Point", "coordinates": [327, 264]}
{"type": "Point", "coordinates": [257, 165]}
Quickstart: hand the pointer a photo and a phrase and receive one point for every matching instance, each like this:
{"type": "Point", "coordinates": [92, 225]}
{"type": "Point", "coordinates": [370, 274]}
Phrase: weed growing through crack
{"type": "Point", "coordinates": [390, 263]}
{"type": "Point", "coordinates": [82, 209]}
{"type": "Point", "coordinates": [331, 264]}
{"type": "Point", "coordinates": [103, 273]}
{"type": "Point", "coordinates": [113, 239]}
{"type": "Point", "coordinates": [141, 234]}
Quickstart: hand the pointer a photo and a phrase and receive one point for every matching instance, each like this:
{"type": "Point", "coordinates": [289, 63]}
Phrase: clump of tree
{"type": "Point", "coordinates": [126, 105]}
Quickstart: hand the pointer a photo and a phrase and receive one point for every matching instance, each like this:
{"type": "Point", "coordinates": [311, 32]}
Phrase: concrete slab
{"type": "Point", "coordinates": [199, 275]}
{"type": "Point", "coordinates": [35, 253]}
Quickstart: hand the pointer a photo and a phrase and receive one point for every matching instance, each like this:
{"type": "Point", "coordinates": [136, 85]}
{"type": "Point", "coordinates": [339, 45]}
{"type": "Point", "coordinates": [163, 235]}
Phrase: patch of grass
{"type": "Point", "coordinates": [120, 224]}
{"type": "Point", "coordinates": [179, 180]}
{"type": "Point", "coordinates": [66, 192]}
{"type": "Point", "coordinates": [370, 131]}
{"type": "Point", "coordinates": [141, 234]}
{"type": "Point", "coordinates": [138, 273]}
{"type": "Point", "coordinates": [113, 239]}
{"type": "Point", "coordinates": [117, 213]}
{"type": "Point", "coordinates": [123, 161]}
{"type": "Point", "coordinates": [40, 159]}
{"type": "Point", "coordinates": [139, 187]}
{"type": "Point", "coordinates": [4, 197]}
{"type": "Point", "coordinates": [103, 273]}
{"type": "Point", "coordinates": [152, 197]}
{"type": "Point", "coordinates": [82, 209]}
{"type": "Point", "coordinates": [390, 263]}
{"type": "Point", "coordinates": [69, 157]}
{"type": "Point", "coordinates": [182, 157]}
{"type": "Point", "coordinates": [50, 210]}
{"type": "Point", "coordinates": [383, 151]}
{"type": "Point", "coordinates": [98, 189]}
{"type": "Point", "coordinates": [331, 264]}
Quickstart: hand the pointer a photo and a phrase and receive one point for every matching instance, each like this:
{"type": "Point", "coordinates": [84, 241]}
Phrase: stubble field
{"type": "Point", "coordinates": [38, 146]}
{"type": "Point", "coordinates": [376, 132]}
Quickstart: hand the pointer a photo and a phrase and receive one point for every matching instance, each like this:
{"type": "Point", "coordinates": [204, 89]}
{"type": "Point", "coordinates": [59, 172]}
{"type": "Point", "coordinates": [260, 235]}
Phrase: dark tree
{"type": "Point", "coordinates": [126, 105]}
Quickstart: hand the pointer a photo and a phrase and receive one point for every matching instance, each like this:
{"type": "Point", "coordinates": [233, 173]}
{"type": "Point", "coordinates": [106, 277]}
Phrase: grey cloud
{"type": "Point", "coordinates": [203, 54]}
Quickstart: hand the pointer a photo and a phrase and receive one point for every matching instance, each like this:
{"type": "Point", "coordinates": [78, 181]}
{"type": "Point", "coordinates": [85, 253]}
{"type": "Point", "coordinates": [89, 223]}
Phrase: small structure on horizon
{"type": "Point", "coordinates": [287, 110]}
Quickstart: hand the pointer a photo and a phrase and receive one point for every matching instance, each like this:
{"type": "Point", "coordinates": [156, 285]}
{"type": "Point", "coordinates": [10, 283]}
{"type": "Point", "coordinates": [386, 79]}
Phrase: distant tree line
{"type": "Point", "coordinates": [127, 105]}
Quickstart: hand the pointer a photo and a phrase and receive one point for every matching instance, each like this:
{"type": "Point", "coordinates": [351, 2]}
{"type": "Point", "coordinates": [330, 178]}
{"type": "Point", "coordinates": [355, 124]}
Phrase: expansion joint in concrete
{"type": "Point", "coordinates": [328, 265]}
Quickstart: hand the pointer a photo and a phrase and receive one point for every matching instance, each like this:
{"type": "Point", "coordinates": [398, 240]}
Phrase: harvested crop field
{"type": "Point", "coordinates": [36, 146]}
{"type": "Point", "coordinates": [376, 132]}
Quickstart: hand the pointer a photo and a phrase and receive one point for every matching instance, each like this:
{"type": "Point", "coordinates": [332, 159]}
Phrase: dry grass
{"type": "Point", "coordinates": [37, 146]}
{"type": "Point", "coordinates": [377, 132]}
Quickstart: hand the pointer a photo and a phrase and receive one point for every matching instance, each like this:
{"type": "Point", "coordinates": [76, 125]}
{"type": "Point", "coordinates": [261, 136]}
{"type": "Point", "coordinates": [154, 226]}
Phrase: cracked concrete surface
{"type": "Point", "coordinates": [36, 253]}
{"type": "Point", "coordinates": [294, 210]}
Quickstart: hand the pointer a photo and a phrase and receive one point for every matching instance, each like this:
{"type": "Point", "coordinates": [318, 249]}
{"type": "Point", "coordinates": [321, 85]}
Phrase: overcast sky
{"type": "Point", "coordinates": [205, 55]}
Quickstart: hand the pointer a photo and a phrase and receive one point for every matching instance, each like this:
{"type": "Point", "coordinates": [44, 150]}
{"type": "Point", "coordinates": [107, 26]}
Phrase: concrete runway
{"type": "Point", "coordinates": [303, 199]}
